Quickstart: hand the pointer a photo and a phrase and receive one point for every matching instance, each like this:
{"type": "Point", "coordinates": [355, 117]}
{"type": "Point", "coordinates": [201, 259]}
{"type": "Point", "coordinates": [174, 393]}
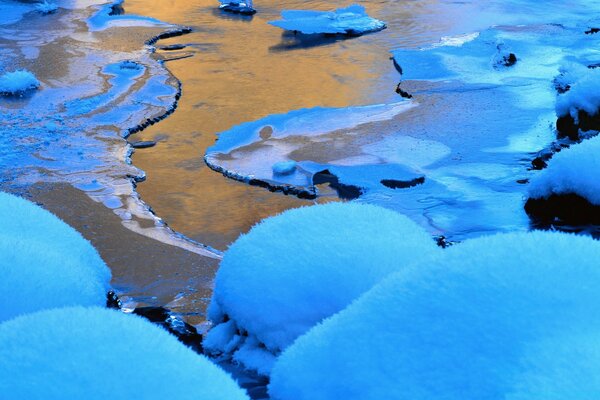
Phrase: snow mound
{"type": "Point", "coordinates": [18, 82]}
{"type": "Point", "coordinates": [44, 263]}
{"type": "Point", "coordinates": [284, 167]}
{"type": "Point", "coordinates": [481, 321]}
{"type": "Point", "coordinates": [352, 20]}
{"type": "Point", "coordinates": [46, 7]}
{"type": "Point", "coordinates": [94, 353]}
{"type": "Point", "coordinates": [293, 270]}
{"type": "Point", "coordinates": [584, 93]}
{"type": "Point", "coordinates": [572, 171]}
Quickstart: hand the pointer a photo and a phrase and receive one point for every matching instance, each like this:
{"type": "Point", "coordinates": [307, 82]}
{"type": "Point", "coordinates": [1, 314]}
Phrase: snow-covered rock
{"type": "Point", "coordinates": [500, 317]}
{"type": "Point", "coordinates": [46, 7]}
{"type": "Point", "coordinates": [238, 7]}
{"type": "Point", "coordinates": [94, 353]}
{"type": "Point", "coordinates": [284, 167]}
{"type": "Point", "coordinates": [579, 106]}
{"type": "Point", "coordinates": [44, 263]}
{"type": "Point", "coordinates": [571, 171]}
{"type": "Point", "coordinates": [293, 270]}
{"type": "Point", "coordinates": [18, 82]}
{"type": "Point", "coordinates": [352, 20]}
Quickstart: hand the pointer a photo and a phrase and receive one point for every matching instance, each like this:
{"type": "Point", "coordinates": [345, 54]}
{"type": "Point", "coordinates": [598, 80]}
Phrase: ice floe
{"type": "Point", "coordinates": [45, 263]}
{"type": "Point", "coordinates": [293, 270]}
{"type": "Point", "coordinates": [352, 20]}
{"type": "Point", "coordinates": [95, 353]}
{"type": "Point", "coordinates": [507, 316]}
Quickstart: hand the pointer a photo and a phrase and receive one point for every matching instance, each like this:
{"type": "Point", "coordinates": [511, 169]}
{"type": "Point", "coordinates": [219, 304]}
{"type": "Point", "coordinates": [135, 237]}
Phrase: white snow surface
{"type": "Point", "coordinates": [584, 92]}
{"type": "Point", "coordinates": [18, 82]}
{"type": "Point", "coordinates": [294, 270]}
{"type": "Point", "coordinates": [95, 353]}
{"type": "Point", "coordinates": [349, 20]}
{"type": "Point", "coordinates": [480, 321]}
{"type": "Point", "coordinates": [572, 171]}
{"type": "Point", "coordinates": [44, 263]}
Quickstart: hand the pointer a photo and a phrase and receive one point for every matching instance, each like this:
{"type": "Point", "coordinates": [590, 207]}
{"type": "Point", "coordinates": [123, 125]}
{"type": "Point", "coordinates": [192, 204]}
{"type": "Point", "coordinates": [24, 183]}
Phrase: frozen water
{"type": "Point", "coordinates": [352, 20]}
{"type": "Point", "coordinates": [45, 263]}
{"type": "Point", "coordinates": [95, 353]}
{"type": "Point", "coordinates": [501, 317]}
{"type": "Point", "coordinates": [289, 273]}
{"type": "Point", "coordinates": [454, 158]}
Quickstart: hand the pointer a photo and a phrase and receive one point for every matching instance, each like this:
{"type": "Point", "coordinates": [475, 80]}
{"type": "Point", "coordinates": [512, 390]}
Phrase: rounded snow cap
{"type": "Point", "coordinates": [98, 354]}
{"type": "Point", "coordinates": [293, 270]}
{"type": "Point", "coordinates": [489, 318]}
{"type": "Point", "coordinates": [44, 263]}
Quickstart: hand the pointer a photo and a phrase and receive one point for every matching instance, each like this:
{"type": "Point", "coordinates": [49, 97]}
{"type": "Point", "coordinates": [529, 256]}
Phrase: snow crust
{"type": "Point", "coordinates": [572, 171]}
{"type": "Point", "coordinates": [46, 7]}
{"type": "Point", "coordinates": [584, 92]}
{"type": "Point", "coordinates": [293, 270]}
{"type": "Point", "coordinates": [352, 20]}
{"type": "Point", "coordinates": [18, 82]}
{"type": "Point", "coordinates": [44, 263]}
{"type": "Point", "coordinates": [510, 316]}
{"type": "Point", "coordinates": [94, 353]}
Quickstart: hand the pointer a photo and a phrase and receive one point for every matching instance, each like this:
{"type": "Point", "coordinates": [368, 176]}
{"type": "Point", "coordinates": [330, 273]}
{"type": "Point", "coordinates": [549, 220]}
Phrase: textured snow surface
{"type": "Point", "coordinates": [572, 171]}
{"type": "Point", "coordinates": [584, 92]}
{"type": "Point", "coordinates": [511, 316]}
{"type": "Point", "coordinates": [44, 263]}
{"type": "Point", "coordinates": [94, 353]}
{"type": "Point", "coordinates": [17, 82]}
{"type": "Point", "coordinates": [351, 20]}
{"type": "Point", "coordinates": [46, 7]}
{"type": "Point", "coordinates": [293, 270]}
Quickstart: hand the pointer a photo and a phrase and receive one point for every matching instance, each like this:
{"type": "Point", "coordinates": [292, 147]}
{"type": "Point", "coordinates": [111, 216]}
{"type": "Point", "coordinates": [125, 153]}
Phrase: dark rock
{"type": "Point", "coordinates": [397, 184]}
{"type": "Point", "coordinates": [568, 209]}
{"type": "Point", "coordinates": [522, 181]}
{"type": "Point", "coordinates": [509, 60]}
{"type": "Point", "coordinates": [443, 242]}
{"type": "Point", "coordinates": [143, 144]}
{"type": "Point", "coordinates": [116, 9]}
{"type": "Point", "coordinates": [346, 192]}
{"type": "Point", "coordinates": [112, 300]}
{"type": "Point", "coordinates": [403, 93]}
{"type": "Point", "coordinates": [568, 127]}
{"type": "Point", "coordinates": [173, 47]}
{"type": "Point", "coordinates": [237, 9]}
{"type": "Point", "coordinates": [185, 332]}
{"type": "Point", "coordinates": [592, 31]}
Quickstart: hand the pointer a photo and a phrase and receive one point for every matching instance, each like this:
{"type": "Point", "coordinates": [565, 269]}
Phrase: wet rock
{"type": "Point", "coordinates": [568, 127]}
{"type": "Point", "coordinates": [185, 332]}
{"type": "Point", "coordinates": [403, 93]}
{"type": "Point", "coordinates": [173, 47]}
{"type": "Point", "coordinates": [113, 301]}
{"type": "Point", "coordinates": [237, 8]}
{"type": "Point", "coordinates": [398, 184]}
{"type": "Point", "coordinates": [509, 60]}
{"type": "Point", "coordinates": [346, 192]}
{"type": "Point", "coordinates": [143, 144]}
{"type": "Point", "coordinates": [569, 209]}
{"type": "Point", "coordinates": [443, 242]}
{"type": "Point", "coordinates": [116, 9]}
{"type": "Point", "coordinates": [592, 31]}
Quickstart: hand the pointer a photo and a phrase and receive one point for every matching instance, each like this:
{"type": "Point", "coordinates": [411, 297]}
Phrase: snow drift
{"type": "Point", "coordinates": [44, 263]}
{"type": "Point", "coordinates": [18, 82]}
{"type": "Point", "coordinates": [352, 20]}
{"type": "Point", "coordinates": [572, 171]}
{"type": "Point", "coordinates": [293, 270]}
{"type": "Point", "coordinates": [501, 317]}
{"type": "Point", "coordinates": [94, 353]}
